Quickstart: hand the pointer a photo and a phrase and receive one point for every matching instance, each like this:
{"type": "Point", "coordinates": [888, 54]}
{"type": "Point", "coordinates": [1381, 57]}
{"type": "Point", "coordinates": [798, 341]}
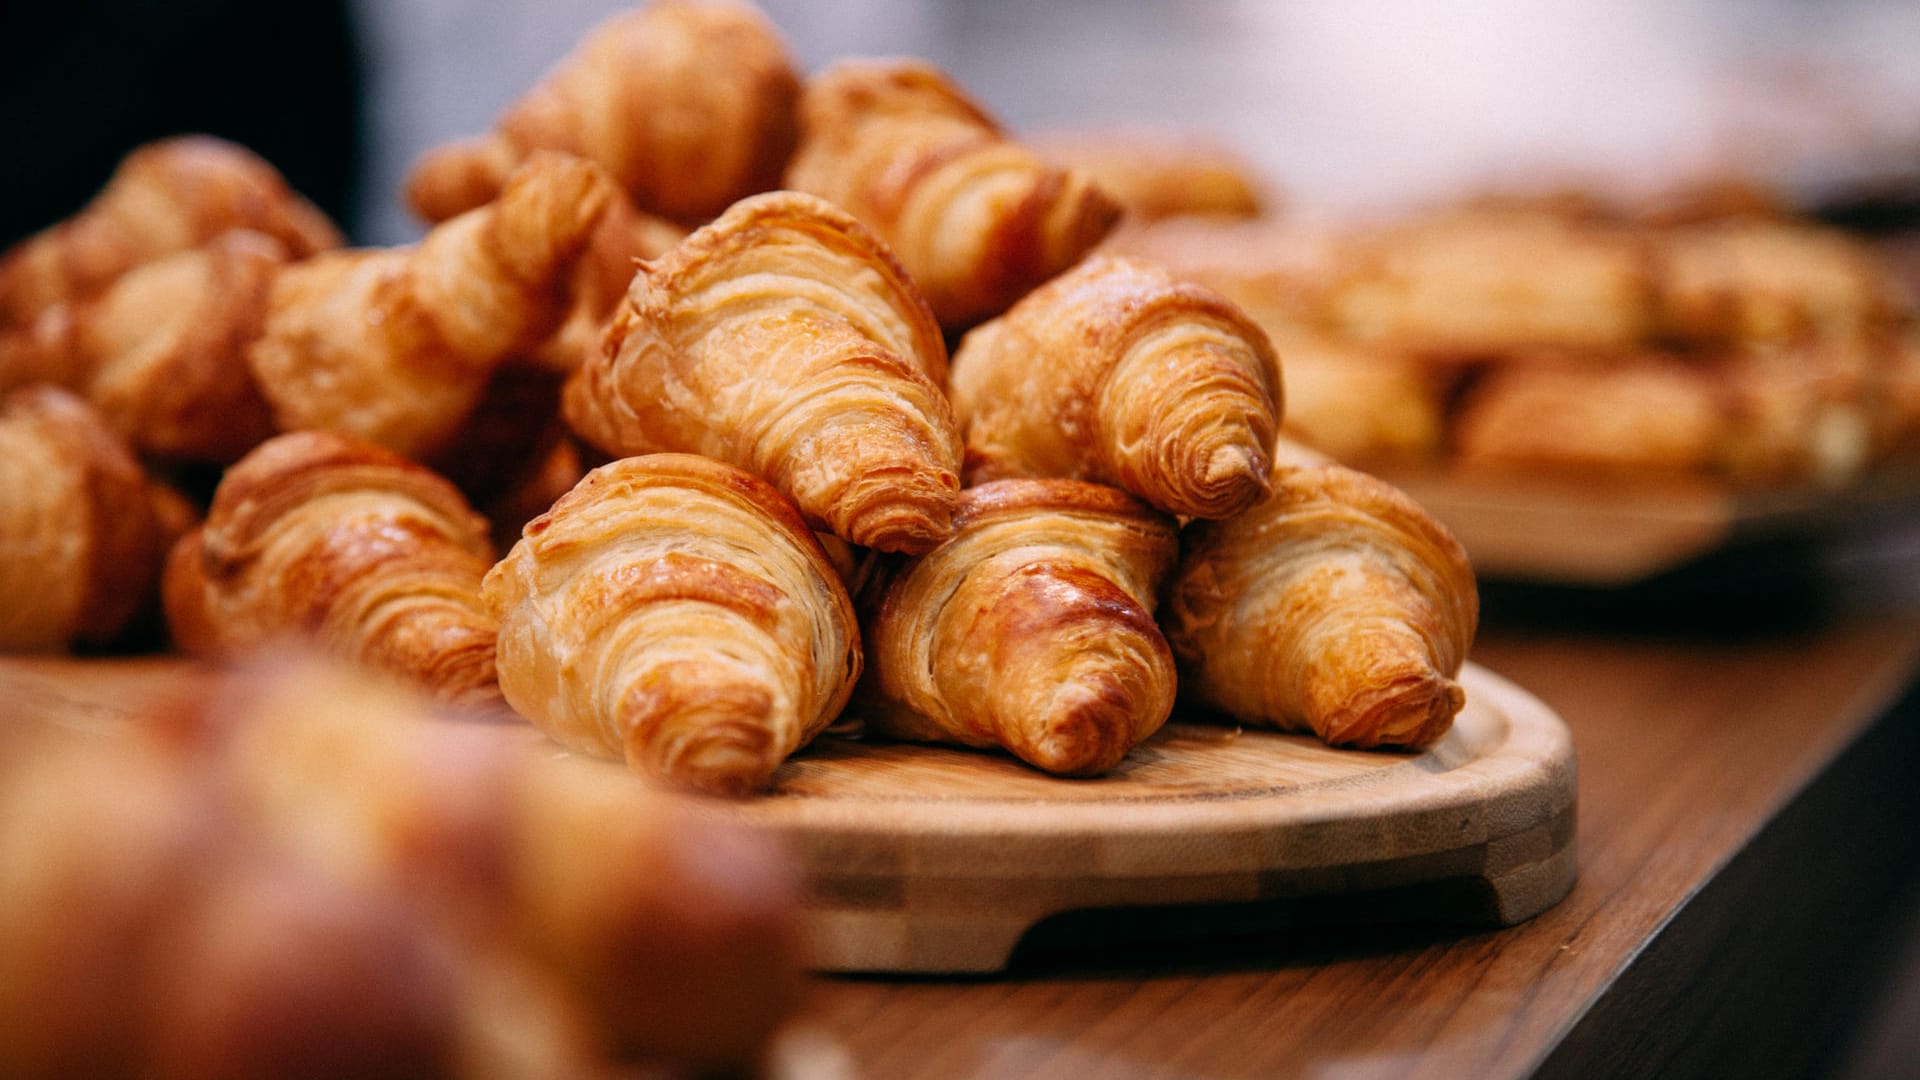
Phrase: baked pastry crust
{"type": "Point", "coordinates": [167, 196]}
{"type": "Point", "coordinates": [1161, 174]}
{"type": "Point", "coordinates": [316, 535]}
{"type": "Point", "coordinates": [688, 104]}
{"type": "Point", "coordinates": [80, 548]}
{"type": "Point", "coordinates": [395, 346]}
{"type": "Point", "coordinates": [784, 339]}
{"type": "Point", "coordinates": [675, 612]}
{"type": "Point", "coordinates": [1117, 373]}
{"type": "Point", "coordinates": [976, 217]}
{"type": "Point", "coordinates": [1031, 629]}
{"type": "Point", "coordinates": [1337, 606]}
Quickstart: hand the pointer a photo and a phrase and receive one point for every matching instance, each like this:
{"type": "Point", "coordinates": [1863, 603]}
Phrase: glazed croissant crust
{"type": "Point", "coordinates": [79, 545]}
{"type": "Point", "coordinates": [394, 346]}
{"type": "Point", "coordinates": [168, 196]}
{"type": "Point", "coordinates": [977, 218]}
{"type": "Point", "coordinates": [378, 558]}
{"type": "Point", "coordinates": [689, 104]}
{"type": "Point", "coordinates": [162, 351]}
{"type": "Point", "coordinates": [676, 612]}
{"type": "Point", "coordinates": [783, 338]}
{"type": "Point", "coordinates": [1117, 373]}
{"type": "Point", "coordinates": [1031, 629]}
{"type": "Point", "coordinates": [1336, 606]}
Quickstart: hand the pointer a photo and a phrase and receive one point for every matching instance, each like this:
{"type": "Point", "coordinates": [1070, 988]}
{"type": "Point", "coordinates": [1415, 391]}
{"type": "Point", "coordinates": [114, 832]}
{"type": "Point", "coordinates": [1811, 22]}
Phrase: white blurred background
{"type": "Point", "coordinates": [1353, 105]}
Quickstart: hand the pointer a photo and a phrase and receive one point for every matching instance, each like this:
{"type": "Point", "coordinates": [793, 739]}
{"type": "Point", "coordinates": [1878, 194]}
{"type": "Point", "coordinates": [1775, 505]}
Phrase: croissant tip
{"type": "Point", "coordinates": [1409, 716]}
{"type": "Point", "coordinates": [1086, 729]}
{"type": "Point", "coordinates": [726, 758]}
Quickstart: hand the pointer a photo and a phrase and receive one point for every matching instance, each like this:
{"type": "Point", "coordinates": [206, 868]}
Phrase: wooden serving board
{"type": "Point", "coordinates": [925, 859]}
{"type": "Point", "coordinates": [921, 859]}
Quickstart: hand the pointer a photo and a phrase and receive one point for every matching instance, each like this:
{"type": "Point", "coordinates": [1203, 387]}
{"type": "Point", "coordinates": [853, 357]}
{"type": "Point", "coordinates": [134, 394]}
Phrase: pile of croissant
{"type": "Point", "coordinates": [1709, 330]}
{"type": "Point", "coordinates": [792, 397]}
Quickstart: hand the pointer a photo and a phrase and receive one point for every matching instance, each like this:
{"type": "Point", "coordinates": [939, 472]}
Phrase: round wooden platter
{"type": "Point", "coordinates": [922, 859]}
{"type": "Point", "coordinates": [926, 859]}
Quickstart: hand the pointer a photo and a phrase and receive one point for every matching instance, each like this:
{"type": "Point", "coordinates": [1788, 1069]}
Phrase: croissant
{"type": "Point", "coordinates": [80, 548]}
{"type": "Point", "coordinates": [1637, 413]}
{"type": "Point", "coordinates": [165, 197]}
{"type": "Point", "coordinates": [1117, 373]}
{"type": "Point", "coordinates": [675, 611]}
{"type": "Point", "coordinates": [977, 218]}
{"type": "Point", "coordinates": [375, 556]}
{"type": "Point", "coordinates": [162, 352]}
{"type": "Point", "coordinates": [1773, 281]}
{"type": "Point", "coordinates": [1031, 629]}
{"type": "Point", "coordinates": [783, 338]}
{"type": "Point", "coordinates": [1336, 606]}
{"type": "Point", "coordinates": [395, 346]}
{"type": "Point", "coordinates": [689, 104]}
{"type": "Point", "coordinates": [1161, 174]}
{"type": "Point", "coordinates": [624, 237]}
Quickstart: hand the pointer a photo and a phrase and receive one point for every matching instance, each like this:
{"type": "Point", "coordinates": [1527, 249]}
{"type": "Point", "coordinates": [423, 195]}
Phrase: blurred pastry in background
{"type": "Point", "coordinates": [1156, 174]}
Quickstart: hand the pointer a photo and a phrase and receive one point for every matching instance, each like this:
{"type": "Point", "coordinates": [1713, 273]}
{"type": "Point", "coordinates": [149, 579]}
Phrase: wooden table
{"type": "Point", "coordinates": [1746, 825]}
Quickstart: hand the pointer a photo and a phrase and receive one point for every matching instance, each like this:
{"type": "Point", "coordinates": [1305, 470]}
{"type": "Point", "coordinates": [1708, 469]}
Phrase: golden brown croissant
{"type": "Point", "coordinates": [783, 338]}
{"type": "Point", "coordinates": [394, 346]}
{"type": "Point", "coordinates": [1360, 404]}
{"type": "Point", "coordinates": [977, 218]}
{"type": "Point", "coordinates": [689, 104]}
{"type": "Point", "coordinates": [1117, 373]}
{"type": "Point", "coordinates": [80, 549]}
{"type": "Point", "coordinates": [162, 351]}
{"type": "Point", "coordinates": [1734, 280]}
{"type": "Point", "coordinates": [675, 611]}
{"type": "Point", "coordinates": [1474, 282]}
{"type": "Point", "coordinates": [378, 558]}
{"type": "Point", "coordinates": [165, 197]}
{"type": "Point", "coordinates": [299, 873]}
{"type": "Point", "coordinates": [1337, 606]}
{"type": "Point", "coordinates": [1031, 629]}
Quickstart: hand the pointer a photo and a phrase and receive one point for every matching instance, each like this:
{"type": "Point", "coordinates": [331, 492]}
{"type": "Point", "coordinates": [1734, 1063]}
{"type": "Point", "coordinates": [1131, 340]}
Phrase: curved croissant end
{"type": "Point", "coordinates": [1115, 372]}
{"type": "Point", "coordinates": [166, 197]}
{"type": "Point", "coordinates": [676, 612]}
{"type": "Point", "coordinates": [688, 104]}
{"type": "Point", "coordinates": [378, 558]}
{"type": "Point", "coordinates": [1031, 629]}
{"type": "Point", "coordinates": [79, 545]}
{"type": "Point", "coordinates": [975, 217]}
{"type": "Point", "coordinates": [162, 352]}
{"type": "Point", "coordinates": [395, 346]}
{"type": "Point", "coordinates": [1336, 606]}
{"type": "Point", "coordinates": [783, 338]}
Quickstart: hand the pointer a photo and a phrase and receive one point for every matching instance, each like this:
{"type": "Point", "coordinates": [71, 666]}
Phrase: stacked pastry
{"type": "Point", "coordinates": [735, 290]}
{"type": "Point", "coordinates": [1711, 336]}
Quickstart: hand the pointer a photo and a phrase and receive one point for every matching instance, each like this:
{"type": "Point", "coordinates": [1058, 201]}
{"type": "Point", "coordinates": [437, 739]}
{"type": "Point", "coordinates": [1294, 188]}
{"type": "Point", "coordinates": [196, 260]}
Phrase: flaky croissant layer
{"type": "Point", "coordinates": [1118, 373]}
{"type": "Point", "coordinates": [317, 535]}
{"type": "Point", "coordinates": [675, 612]}
{"type": "Point", "coordinates": [784, 339]}
{"type": "Point", "coordinates": [1337, 606]}
{"type": "Point", "coordinates": [1031, 629]}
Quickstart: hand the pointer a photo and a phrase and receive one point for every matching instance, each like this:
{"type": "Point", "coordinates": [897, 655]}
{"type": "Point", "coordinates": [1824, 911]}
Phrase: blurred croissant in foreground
{"type": "Point", "coordinates": [316, 535]}
{"type": "Point", "coordinates": [300, 872]}
{"type": "Point", "coordinates": [675, 612]}
{"type": "Point", "coordinates": [1031, 629]}
{"type": "Point", "coordinates": [1118, 373]}
{"type": "Point", "coordinates": [977, 218]}
{"type": "Point", "coordinates": [80, 545]}
{"type": "Point", "coordinates": [1337, 606]}
{"type": "Point", "coordinates": [785, 339]}
{"type": "Point", "coordinates": [395, 346]}
{"type": "Point", "coordinates": [689, 104]}
{"type": "Point", "coordinates": [166, 197]}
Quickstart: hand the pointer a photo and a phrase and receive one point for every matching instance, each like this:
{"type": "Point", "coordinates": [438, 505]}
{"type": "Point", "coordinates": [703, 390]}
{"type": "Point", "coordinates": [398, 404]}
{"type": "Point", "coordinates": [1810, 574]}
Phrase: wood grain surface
{"type": "Point", "coordinates": [1689, 747]}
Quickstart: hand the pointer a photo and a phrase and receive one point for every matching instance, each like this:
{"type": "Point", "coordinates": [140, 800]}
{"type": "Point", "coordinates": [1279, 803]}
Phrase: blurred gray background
{"type": "Point", "coordinates": [1349, 105]}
